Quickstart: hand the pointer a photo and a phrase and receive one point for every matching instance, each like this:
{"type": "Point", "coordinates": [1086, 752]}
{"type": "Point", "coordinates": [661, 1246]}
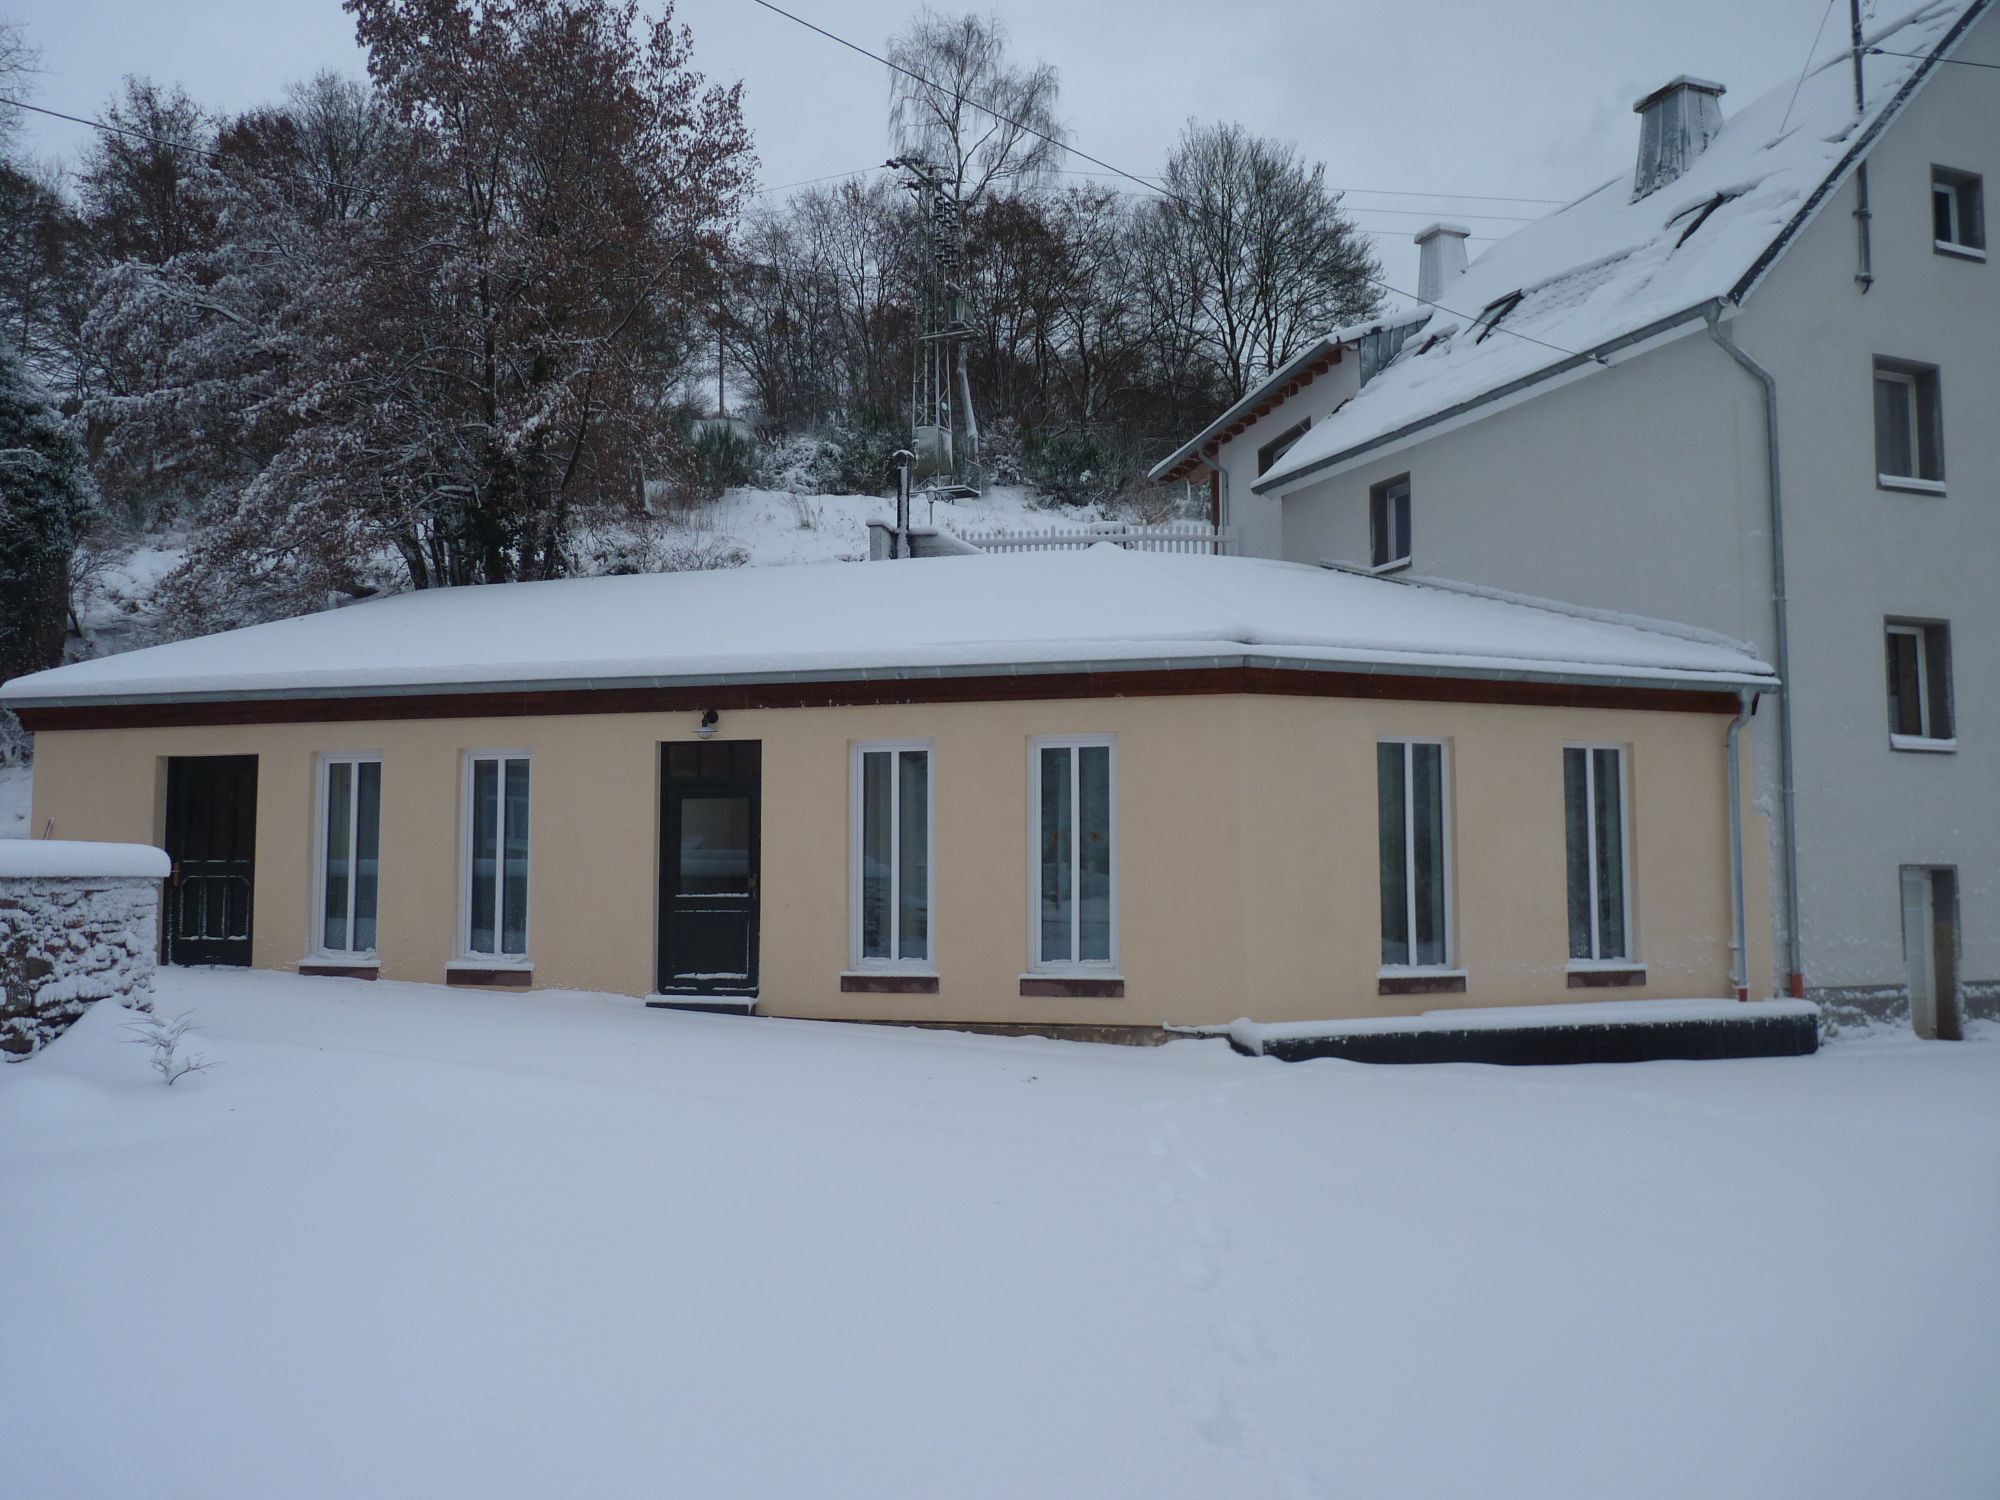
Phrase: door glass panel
{"type": "Point", "coordinates": [1055, 847]}
{"type": "Point", "coordinates": [333, 924]}
{"type": "Point", "coordinates": [875, 853]}
{"type": "Point", "coordinates": [913, 856]}
{"type": "Point", "coordinates": [715, 846]}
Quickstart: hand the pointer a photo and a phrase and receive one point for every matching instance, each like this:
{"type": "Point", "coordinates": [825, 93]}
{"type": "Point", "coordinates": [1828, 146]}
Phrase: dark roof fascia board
{"type": "Point", "coordinates": [1863, 144]}
{"type": "Point", "coordinates": [1596, 356]}
{"type": "Point", "coordinates": [1247, 402]}
{"type": "Point", "coordinates": [1117, 678]}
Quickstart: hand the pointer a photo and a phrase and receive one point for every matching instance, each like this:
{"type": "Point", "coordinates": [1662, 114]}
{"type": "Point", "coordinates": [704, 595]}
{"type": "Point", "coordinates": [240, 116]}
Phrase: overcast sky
{"type": "Point", "coordinates": [1528, 100]}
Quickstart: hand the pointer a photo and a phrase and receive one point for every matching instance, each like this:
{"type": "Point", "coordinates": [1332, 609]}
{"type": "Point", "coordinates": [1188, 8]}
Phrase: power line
{"type": "Point", "coordinates": [1806, 66]}
{"type": "Point", "coordinates": [1961, 62]}
{"type": "Point", "coordinates": [1099, 161]}
{"type": "Point", "coordinates": [1410, 193]}
{"type": "Point", "coordinates": [813, 181]}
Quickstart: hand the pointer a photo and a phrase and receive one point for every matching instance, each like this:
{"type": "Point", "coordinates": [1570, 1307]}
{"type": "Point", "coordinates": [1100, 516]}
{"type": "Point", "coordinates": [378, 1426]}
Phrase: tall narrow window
{"type": "Point", "coordinates": [1594, 835]}
{"type": "Point", "coordinates": [892, 852]}
{"type": "Point", "coordinates": [1958, 214]}
{"type": "Point", "coordinates": [1416, 854]}
{"type": "Point", "coordinates": [1075, 911]}
{"type": "Point", "coordinates": [496, 855]}
{"type": "Point", "coordinates": [1920, 708]}
{"type": "Point", "coordinates": [350, 832]}
{"type": "Point", "coordinates": [1909, 431]}
{"type": "Point", "coordinates": [1389, 523]}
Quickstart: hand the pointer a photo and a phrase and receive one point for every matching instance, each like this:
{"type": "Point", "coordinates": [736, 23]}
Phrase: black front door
{"type": "Point", "coordinates": [710, 814]}
{"type": "Point", "coordinates": [212, 840]}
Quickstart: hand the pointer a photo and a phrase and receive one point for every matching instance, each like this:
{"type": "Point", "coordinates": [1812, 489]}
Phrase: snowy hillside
{"type": "Point", "coordinates": [414, 1241]}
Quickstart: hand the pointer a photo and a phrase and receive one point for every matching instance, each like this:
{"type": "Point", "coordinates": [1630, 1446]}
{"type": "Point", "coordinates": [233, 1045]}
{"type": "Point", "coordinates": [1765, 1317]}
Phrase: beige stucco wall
{"type": "Point", "coordinates": [1247, 859]}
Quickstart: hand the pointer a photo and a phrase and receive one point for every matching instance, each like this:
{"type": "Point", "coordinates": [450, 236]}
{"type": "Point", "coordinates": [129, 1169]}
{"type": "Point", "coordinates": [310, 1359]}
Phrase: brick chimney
{"type": "Point", "coordinates": [1676, 123]}
{"type": "Point", "coordinates": [1440, 258]}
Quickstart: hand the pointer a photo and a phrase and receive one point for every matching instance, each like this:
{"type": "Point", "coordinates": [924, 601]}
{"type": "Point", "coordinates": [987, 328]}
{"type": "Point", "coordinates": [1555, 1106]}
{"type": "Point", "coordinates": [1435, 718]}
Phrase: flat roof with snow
{"type": "Point", "coordinates": [1096, 609]}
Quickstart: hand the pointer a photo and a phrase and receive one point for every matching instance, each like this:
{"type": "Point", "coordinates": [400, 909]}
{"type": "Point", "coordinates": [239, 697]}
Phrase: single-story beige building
{"type": "Point", "coordinates": [1093, 788]}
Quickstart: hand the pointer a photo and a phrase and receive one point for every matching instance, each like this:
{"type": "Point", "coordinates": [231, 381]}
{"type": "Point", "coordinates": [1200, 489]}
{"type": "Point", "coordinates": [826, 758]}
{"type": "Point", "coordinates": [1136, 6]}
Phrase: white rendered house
{"type": "Point", "coordinates": [1782, 325]}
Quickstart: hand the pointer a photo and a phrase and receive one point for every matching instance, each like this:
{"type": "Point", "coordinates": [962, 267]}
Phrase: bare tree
{"type": "Point", "coordinates": [1249, 256]}
{"type": "Point", "coordinates": [957, 101]}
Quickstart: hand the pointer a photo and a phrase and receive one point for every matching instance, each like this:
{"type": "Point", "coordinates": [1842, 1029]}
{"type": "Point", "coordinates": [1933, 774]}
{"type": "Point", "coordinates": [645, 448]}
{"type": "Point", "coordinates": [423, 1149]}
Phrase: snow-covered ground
{"type": "Point", "coordinates": [413, 1241]}
{"type": "Point", "coordinates": [773, 526]}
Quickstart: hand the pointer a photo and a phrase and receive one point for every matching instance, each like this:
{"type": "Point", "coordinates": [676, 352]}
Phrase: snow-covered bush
{"type": "Point", "coordinates": [799, 463]}
{"type": "Point", "coordinates": [654, 543]}
{"type": "Point", "coordinates": [723, 457]}
{"type": "Point", "coordinates": [164, 1037]}
{"type": "Point", "coordinates": [1077, 468]}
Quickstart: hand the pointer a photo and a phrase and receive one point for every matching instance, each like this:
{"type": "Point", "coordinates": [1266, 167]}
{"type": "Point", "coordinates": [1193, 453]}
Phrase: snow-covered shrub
{"type": "Point", "coordinates": [164, 1037]}
{"type": "Point", "coordinates": [799, 463]}
{"type": "Point", "coordinates": [862, 447]}
{"type": "Point", "coordinates": [1077, 468]}
{"type": "Point", "coordinates": [654, 543]}
{"type": "Point", "coordinates": [723, 457]}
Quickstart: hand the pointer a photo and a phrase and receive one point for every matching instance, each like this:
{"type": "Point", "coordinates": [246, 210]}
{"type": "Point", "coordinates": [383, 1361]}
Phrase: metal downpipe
{"type": "Point", "coordinates": [1739, 928]}
{"type": "Point", "coordinates": [1795, 981]}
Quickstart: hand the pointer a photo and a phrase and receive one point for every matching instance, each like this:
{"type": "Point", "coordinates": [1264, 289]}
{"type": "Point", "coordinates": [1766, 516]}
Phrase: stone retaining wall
{"type": "Point", "coordinates": [67, 942]}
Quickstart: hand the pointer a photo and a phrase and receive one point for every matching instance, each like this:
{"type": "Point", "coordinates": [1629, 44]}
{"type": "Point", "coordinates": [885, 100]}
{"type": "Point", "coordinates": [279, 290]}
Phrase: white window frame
{"type": "Point", "coordinates": [467, 957]}
{"type": "Point", "coordinates": [1386, 492]}
{"type": "Point", "coordinates": [1629, 959]}
{"type": "Point", "coordinates": [1928, 739]}
{"type": "Point", "coordinates": [316, 917]}
{"type": "Point", "coordinates": [927, 965]}
{"type": "Point", "coordinates": [1450, 964]}
{"type": "Point", "coordinates": [1093, 967]}
{"type": "Point", "coordinates": [1952, 184]}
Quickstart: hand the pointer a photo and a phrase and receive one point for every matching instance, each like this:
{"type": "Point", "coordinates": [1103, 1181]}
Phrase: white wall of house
{"type": "Point", "coordinates": [1258, 520]}
{"type": "Point", "coordinates": [1642, 488]}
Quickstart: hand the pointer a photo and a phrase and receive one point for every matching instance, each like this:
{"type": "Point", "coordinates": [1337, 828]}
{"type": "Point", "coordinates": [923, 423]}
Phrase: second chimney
{"type": "Point", "coordinates": [1676, 123]}
{"type": "Point", "coordinates": [1440, 258]}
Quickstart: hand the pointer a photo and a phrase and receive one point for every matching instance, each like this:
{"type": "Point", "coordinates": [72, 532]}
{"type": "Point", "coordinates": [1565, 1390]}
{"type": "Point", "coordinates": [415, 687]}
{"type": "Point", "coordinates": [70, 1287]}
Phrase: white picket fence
{"type": "Point", "coordinates": [1168, 536]}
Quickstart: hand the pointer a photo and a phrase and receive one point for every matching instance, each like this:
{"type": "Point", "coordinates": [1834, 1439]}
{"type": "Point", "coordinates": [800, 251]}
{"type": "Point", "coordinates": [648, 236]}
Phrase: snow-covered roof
{"type": "Point", "coordinates": [1098, 608]}
{"type": "Point", "coordinates": [77, 859]}
{"type": "Point", "coordinates": [1606, 268]}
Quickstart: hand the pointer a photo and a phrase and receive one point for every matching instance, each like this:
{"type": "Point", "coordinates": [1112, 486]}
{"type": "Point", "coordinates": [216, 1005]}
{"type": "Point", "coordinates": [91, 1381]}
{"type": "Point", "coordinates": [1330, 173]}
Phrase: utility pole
{"type": "Point", "coordinates": [943, 331]}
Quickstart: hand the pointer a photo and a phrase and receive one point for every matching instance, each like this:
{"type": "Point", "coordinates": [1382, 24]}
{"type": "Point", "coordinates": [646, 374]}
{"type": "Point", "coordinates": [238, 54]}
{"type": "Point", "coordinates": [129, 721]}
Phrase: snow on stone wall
{"type": "Point", "coordinates": [66, 942]}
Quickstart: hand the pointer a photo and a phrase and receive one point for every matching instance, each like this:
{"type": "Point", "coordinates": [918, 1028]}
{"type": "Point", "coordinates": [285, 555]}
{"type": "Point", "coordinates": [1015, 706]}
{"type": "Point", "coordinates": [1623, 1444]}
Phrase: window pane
{"type": "Point", "coordinates": [874, 853]}
{"type": "Point", "coordinates": [1905, 702]}
{"type": "Point", "coordinates": [1610, 855]}
{"type": "Point", "coordinates": [1427, 808]}
{"type": "Point", "coordinates": [1924, 418]}
{"type": "Point", "coordinates": [514, 894]}
{"type": "Point", "coordinates": [1402, 508]}
{"type": "Point", "coordinates": [367, 851]}
{"type": "Point", "coordinates": [913, 908]}
{"type": "Point", "coordinates": [339, 807]}
{"type": "Point", "coordinates": [1378, 527]}
{"type": "Point", "coordinates": [1054, 841]}
{"type": "Point", "coordinates": [1937, 682]}
{"type": "Point", "coordinates": [1093, 907]}
{"type": "Point", "coordinates": [485, 853]}
{"type": "Point", "coordinates": [1576, 850]}
{"type": "Point", "coordinates": [1893, 450]}
{"type": "Point", "coordinates": [1941, 206]}
{"type": "Point", "coordinates": [1395, 872]}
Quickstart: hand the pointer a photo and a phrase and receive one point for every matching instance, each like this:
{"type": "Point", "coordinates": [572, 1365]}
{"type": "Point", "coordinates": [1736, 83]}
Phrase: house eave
{"type": "Point", "coordinates": [1191, 454]}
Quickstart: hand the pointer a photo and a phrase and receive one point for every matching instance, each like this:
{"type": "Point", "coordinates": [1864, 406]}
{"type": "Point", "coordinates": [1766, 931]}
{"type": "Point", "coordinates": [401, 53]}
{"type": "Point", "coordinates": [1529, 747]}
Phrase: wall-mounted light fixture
{"type": "Point", "coordinates": [706, 728]}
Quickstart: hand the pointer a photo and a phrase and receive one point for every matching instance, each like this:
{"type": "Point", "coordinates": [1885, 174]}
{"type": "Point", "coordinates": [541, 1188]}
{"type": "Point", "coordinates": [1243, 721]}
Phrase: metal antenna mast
{"type": "Point", "coordinates": [943, 324]}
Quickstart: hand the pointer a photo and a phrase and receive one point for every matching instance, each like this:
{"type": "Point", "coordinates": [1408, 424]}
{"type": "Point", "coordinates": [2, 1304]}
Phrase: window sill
{"type": "Point", "coordinates": [1923, 743]}
{"type": "Point", "coordinates": [1909, 484]}
{"type": "Point", "coordinates": [1072, 986]}
{"type": "Point", "coordinates": [1596, 974]}
{"type": "Point", "coordinates": [1957, 251]}
{"type": "Point", "coordinates": [1396, 980]}
{"type": "Point", "coordinates": [1378, 569]}
{"type": "Point", "coordinates": [889, 982]}
{"type": "Point", "coordinates": [341, 966]}
{"type": "Point", "coordinates": [502, 973]}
